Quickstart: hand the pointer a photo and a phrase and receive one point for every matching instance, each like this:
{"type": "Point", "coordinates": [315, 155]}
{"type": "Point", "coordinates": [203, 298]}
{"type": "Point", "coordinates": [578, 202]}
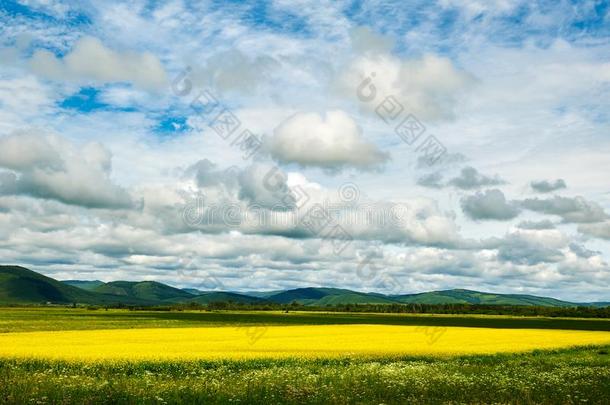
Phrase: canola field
{"type": "Point", "coordinates": [75, 356]}
{"type": "Point", "coordinates": [278, 342]}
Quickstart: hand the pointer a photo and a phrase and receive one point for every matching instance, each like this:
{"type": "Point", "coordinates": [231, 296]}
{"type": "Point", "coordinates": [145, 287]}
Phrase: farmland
{"type": "Point", "coordinates": [65, 355]}
{"type": "Point", "coordinates": [254, 342]}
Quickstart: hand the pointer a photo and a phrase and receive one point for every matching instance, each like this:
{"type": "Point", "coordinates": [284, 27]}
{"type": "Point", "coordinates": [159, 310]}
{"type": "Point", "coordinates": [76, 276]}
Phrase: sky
{"type": "Point", "coordinates": [386, 146]}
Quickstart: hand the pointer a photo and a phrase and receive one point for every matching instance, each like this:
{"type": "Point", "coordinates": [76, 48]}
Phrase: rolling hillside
{"type": "Point", "coordinates": [144, 290]}
{"type": "Point", "coordinates": [475, 297]}
{"type": "Point", "coordinates": [327, 296]}
{"type": "Point", "coordinates": [19, 285]}
{"type": "Point", "coordinates": [219, 296]}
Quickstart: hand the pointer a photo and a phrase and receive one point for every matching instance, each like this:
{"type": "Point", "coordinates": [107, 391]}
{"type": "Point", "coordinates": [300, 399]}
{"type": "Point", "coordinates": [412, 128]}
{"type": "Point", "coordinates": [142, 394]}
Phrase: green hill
{"type": "Point", "coordinates": [335, 296]}
{"type": "Point", "coordinates": [327, 296]}
{"type": "Point", "coordinates": [145, 290]}
{"type": "Point", "coordinates": [193, 291]}
{"type": "Point", "coordinates": [84, 284]}
{"type": "Point", "coordinates": [261, 294]}
{"type": "Point", "coordinates": [19, 285]}
{"type": "Point", "coordinates": [306, 295]}
{"type": "Point", "coordinates": [219, 296]}
{"type": "Point", "coordinates": [476, 297]}
{"type": "Point", "coordinates": [353, 298]}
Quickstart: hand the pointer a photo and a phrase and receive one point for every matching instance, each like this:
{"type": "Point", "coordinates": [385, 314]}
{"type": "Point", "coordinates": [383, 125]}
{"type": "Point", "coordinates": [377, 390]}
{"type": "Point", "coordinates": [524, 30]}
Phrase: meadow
{"type": "Point", "coordinates": [65, 355]}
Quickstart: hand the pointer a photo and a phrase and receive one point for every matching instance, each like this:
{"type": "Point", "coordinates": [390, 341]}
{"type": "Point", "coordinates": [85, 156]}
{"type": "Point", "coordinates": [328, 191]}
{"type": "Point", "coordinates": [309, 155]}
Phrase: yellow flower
{"type": "Point", "coordinates": [312, 341]}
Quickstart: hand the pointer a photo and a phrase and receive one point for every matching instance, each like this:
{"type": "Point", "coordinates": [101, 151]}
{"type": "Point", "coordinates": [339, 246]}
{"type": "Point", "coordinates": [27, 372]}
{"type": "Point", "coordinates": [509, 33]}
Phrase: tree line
{"type": "Point", "coordinates": [457, 309]}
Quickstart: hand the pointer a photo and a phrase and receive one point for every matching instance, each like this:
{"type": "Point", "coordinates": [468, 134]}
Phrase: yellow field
{"type": "Point", "coordinates": [285, 341]}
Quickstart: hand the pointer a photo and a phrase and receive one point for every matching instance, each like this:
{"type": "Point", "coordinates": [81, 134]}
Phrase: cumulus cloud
{"type": "Point", "coordinates": [207, 174]}
{"type": "Point", "coordinates": [90, 59]}
{"type": "Point", "coordinates": [426, 87]}
{"type": "Point", "coordinates": [333, 142]}
{"type": "Point", "coordinates": [268, 201]}
{"type": "Point", "coordinates": [51, 167]}
{"type": "Point", "coordinates": [262, 185]}
{"type": "Point", "coordinates": [530, 249]}
{"type": "Point", "coordinates": [470, 178]}
{"type": "Point", "coordinates": [546, 186]}
{"type": "Point", "coordinates": [576, 209]}
{"type": "Point", "coordinates": [420, 245]}
{"type": "Point", "coordinates": [490, 205]}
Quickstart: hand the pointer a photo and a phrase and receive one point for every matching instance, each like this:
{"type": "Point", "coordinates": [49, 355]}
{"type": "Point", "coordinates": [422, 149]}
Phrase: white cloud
{"type": "Point", "coordinates": [470, 178]}
{"type": "Point", "coordinates": [333, 141]}
{"type": "Point", "coordinates": [538, 111]}
{"type": "Point", "coordinates": [546, 186]}
{"type": "Point", "coordinates": [490, 205]}
{"type": "Point", "coordinates": [90, 59]}
{"type": "Point", "coordinates": [51, 167]}
{"type": "Point", "coordinates": [599, 230]}
{"type": "Point", "coordinates": [576, 209]}
{"type": "Point", "coordinates": [427, 87]}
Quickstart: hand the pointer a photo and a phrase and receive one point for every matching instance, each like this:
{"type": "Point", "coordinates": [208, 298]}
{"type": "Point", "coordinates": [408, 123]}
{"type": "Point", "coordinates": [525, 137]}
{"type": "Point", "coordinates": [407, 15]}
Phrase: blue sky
{"type": "Point", "coordinates": [104, 160]}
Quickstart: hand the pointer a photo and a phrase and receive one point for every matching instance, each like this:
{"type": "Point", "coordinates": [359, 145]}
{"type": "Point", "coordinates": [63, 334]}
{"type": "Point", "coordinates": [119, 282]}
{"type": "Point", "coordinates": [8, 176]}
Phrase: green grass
{"type": "Point", "coordinates": [58, 318]}
{"type": "Point", "coordinates": [571, 376]}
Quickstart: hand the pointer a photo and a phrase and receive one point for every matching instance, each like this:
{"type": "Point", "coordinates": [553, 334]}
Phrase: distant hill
{"type": "Point", "coordinates": [326, 296]}
{"type": "Point", "coordinates": [304, 295]}
{"type": "Point", "coordinates": [84, 284]}
{"type": "Point", "coordinates": [476, 297]}
{"type": "Point", "coordinates": [354, 298]}
{"type": "Point", "coordinates": [19, 285]}
{"type": "Point", "coordinates": [145, 290]}
{"type": "Point", "coordinates": [261, 294]}
{"type": "Point", "coordinates": [600, 304]}
{"type": "Point", "coordinates": [193, 291]}
{"type": "Point", "coordinates": [214, 296]}
{"type": "Point", "coordinates": [335, 296]}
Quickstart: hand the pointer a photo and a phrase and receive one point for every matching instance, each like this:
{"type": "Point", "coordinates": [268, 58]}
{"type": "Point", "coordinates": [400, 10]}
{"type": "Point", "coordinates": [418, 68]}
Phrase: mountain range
{"type": "Point", "coordinates": [19, 285]}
